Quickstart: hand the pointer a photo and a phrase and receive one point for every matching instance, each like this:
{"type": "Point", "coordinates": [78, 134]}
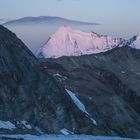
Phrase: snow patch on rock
{"type": "Point", "coordinates": [65, 131]}
{"type": "Point", "coordinates": [80, 105]}
{"type": "Point", "coordinates": [27, 125]}
{"type": "Point", "coordinates": [7, 125]}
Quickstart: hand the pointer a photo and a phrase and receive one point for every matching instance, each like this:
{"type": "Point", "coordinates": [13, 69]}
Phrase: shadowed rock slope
{"type": "Point", "coordinates": [28, 93]}
{"type": "Point", "coordinates": [108, 84]}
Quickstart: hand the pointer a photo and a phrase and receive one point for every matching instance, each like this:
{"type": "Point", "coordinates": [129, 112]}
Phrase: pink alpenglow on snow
{"type": "Point", "coordinates": [71, 42]}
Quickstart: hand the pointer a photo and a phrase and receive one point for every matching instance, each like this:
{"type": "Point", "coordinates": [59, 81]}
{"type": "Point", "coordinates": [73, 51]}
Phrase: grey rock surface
{"type": "Point", "coordinates": [109, 86]}
{"type": "Point", "coordinates": [29, 93]}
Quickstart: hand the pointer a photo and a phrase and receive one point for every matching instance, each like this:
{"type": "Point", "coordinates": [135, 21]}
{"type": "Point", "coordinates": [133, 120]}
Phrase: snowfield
{"type": "Point", "coordinates": [63, 137]}
{"type": "Point", "coordinates": [80, 105]}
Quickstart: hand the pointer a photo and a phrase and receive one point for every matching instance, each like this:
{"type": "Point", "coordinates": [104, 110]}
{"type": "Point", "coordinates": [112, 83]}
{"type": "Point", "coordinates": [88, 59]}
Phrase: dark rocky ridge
{"type": "Point", "coordinates": [29, 93]}
{"type": "Point", "coordinates": [108, 84]}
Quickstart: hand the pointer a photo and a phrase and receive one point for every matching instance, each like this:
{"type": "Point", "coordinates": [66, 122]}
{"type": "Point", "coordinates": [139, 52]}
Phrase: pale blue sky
{"type": "Point", "coordinates": [114, 15]}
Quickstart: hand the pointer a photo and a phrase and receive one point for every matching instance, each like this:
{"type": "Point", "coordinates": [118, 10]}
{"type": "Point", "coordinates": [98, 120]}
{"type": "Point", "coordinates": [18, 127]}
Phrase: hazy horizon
{"type": "Point", "coordinates": [117, 17]}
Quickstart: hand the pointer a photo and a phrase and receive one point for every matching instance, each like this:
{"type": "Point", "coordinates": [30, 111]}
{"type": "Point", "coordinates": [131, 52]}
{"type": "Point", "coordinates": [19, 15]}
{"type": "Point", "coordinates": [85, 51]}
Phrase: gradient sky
{"type": "Point", "coordinates": [116, 16]}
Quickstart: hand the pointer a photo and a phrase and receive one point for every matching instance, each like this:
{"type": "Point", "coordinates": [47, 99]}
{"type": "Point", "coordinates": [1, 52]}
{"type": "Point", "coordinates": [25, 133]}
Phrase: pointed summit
{"type": "Point", "coordinates": [71, 42]}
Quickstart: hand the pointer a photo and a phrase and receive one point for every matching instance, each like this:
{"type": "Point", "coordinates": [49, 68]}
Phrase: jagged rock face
{"type": "Point", "coordinates": [108, 84]}
{"type": "Point", "coordinates": [29, 93]}
{"type": "Point", "coordinates": [70, 42]}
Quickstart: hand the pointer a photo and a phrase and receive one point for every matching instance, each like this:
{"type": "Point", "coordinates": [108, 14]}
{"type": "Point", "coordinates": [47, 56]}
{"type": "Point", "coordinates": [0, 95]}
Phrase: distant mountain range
{"type": "Point", "coordinates": [45, 20]}
{"type": "Point", "coordinates": [2, 20]}
{"type": "Point", "coordinates": [71, 42]}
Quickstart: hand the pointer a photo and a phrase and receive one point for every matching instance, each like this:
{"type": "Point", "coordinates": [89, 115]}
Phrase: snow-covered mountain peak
{"type": "Point", "coordinates": [64, 28]}
{"type": "Point", "coordinates": [72, 42]}
{"type": "Point", "coordinates": [136, 42]}
{"type": "Point", "coordinates": [62, 31]}
{"type": "Point", "coordinates": [68, 30]}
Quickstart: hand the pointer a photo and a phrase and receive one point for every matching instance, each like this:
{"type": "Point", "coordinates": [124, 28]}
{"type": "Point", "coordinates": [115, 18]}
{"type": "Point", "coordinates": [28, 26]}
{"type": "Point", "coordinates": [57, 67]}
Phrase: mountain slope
{"type": "Point", "coordinates": [107, 83]}
{"type": "Point", "coordinates": [135, 42]}
{"type": "Point", "coordinates": [70, 42]}
{"type": "Point", "coordinates": [45, 20]}
{"type": "Point", "coordinates": [29, 94]}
